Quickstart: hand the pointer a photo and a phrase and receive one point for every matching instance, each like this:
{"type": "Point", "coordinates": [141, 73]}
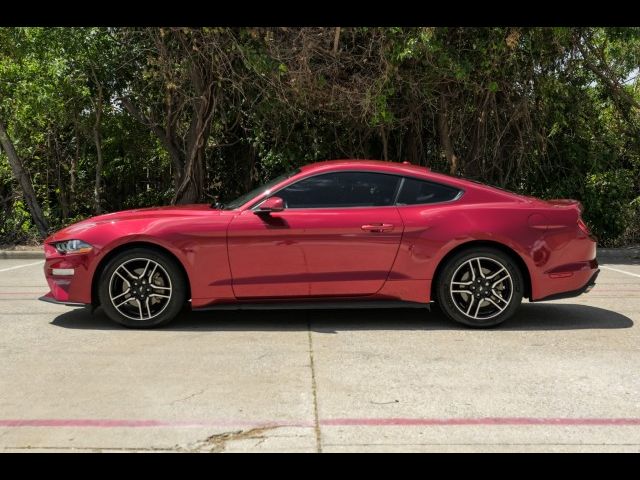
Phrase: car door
{"type": "Point", "coordinates": [337, 236]}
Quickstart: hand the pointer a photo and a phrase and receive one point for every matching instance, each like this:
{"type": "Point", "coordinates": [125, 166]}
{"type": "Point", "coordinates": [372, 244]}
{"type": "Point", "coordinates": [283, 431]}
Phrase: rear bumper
{"type": "Point", "coordinates": [573, 293]}
{"type": "Point", "coordinates": [49, 298]}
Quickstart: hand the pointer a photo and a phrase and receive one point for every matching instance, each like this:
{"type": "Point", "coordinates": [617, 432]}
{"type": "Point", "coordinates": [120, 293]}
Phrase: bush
{"type": "Point", "coordinates": [631, 235]}
{"type": "Point", "coordinates": [610, 203]}
{"type": "Point", "coordinates": [16, 226]}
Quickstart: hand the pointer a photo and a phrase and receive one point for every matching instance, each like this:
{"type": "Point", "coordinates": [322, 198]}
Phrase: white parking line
{"type": "Point", "coordinates": [22, 266]}
{"type": "Point", "coordinates": [606, 268]}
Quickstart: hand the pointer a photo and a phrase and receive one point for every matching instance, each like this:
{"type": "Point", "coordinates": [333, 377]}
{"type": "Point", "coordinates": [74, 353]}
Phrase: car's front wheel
{"type": "Point", "coordinates": [142, 288]}
{"type": "Point", "coordinates": [480, 288]}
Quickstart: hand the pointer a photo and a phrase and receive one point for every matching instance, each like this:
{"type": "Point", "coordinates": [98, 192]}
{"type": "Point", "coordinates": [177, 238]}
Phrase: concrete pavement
{"type": "Point", "coordinates": [561, 376]}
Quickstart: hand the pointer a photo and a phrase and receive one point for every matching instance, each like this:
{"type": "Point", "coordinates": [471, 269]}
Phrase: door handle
{"type": "Point", "coordinates": [377, 227]}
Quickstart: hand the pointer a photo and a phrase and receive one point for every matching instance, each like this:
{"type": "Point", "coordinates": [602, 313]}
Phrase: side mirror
{"type": "Point", "coordinates": [271, 204]}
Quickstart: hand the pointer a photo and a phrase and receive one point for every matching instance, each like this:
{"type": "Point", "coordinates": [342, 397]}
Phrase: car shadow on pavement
{"type": "Point", "coordinates": [537, 316]}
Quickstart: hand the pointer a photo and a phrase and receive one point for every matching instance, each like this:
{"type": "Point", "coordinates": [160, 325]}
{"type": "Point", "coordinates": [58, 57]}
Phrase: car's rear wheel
{"type": "Point", "coordinates": [480, 287]}
{"type": "Point", "coordinates": [142, 288]}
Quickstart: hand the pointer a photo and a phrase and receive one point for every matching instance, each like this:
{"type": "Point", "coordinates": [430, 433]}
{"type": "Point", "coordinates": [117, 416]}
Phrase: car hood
{"type": "Point", "coordinates": [155, 212]}
{"type": "Point", "coordinates": [134, 214]}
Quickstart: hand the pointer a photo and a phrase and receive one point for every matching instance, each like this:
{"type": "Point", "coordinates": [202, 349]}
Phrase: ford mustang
{"type": "Point", "coordinates": [336, 234]}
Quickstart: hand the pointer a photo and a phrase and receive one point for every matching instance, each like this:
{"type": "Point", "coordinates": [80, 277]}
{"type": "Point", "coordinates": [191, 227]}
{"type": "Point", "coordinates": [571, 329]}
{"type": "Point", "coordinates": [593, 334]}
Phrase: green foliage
{"type": "Point", "coordinates": [17, 227]}
{"type": "Point", "coordinates": [148, 198]}
{"type": "Point", "coordinates": [611, 201]}
{"type": "Point", "coordinates": [552, 112]}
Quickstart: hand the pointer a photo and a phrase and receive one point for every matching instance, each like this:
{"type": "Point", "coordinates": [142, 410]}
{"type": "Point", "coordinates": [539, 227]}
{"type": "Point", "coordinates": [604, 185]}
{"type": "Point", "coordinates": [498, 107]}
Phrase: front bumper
{"type": "Point", "coordinates": [69, 277]}
{"type": "Point", "coordinates": [573, 293]}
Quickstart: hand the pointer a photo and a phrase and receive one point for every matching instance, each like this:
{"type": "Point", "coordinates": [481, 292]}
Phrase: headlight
{"type": "Point", "coordinates": [73, 246]}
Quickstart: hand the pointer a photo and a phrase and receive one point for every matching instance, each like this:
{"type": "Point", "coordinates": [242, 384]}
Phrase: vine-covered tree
{"type": "Point", "coordinates": [99, 119]}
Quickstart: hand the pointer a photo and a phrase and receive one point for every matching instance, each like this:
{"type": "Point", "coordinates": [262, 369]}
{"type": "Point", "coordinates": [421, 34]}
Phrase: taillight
{"type": "Point", "coordinates": [583, 227]}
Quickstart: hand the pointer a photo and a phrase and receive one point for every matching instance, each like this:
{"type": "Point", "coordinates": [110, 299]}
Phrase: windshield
{"type": "Point", "coordinates": [241, 200]}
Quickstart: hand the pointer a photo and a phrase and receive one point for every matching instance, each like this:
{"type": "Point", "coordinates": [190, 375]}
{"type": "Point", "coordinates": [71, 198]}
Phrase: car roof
{"type": "Point", "coordinates": [377, 165]}
{"type": "Point", "coordinates": [397, 168]}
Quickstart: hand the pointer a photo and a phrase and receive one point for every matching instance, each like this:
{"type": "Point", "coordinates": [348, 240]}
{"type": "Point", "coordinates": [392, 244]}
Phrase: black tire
{"type": "Point", "coordinates": [149, 301]}
{"type": "Point", "coordinates": [486, 298]}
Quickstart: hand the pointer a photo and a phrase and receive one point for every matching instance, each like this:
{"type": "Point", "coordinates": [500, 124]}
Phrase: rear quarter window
{"type": "Point", "coordinates": [420, 192]}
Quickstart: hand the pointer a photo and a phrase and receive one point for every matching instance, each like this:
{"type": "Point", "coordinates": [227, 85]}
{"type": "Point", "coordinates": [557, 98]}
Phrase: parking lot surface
{"type": "Point", "coordinates": [560, 376]}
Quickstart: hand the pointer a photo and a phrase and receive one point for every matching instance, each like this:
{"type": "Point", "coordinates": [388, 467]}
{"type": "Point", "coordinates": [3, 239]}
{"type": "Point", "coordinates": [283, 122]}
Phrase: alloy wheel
{"type": "Point", "coordinates": [481, 288]}
{"type": "Point", "coordinates": [140, 289]}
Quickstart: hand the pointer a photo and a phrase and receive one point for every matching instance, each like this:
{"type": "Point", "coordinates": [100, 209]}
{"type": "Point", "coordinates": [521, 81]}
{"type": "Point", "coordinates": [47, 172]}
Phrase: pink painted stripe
{"type": "Point", "coordinates": [615, 290]}
{"type": "Point", "coordinates": [483, 421]}
{"type": "Point", "coordinates": [115, 423]}
{"type": "Point", "coordinates": [21, 293]}
{"type": "Point", "coordinates": [479, 421]}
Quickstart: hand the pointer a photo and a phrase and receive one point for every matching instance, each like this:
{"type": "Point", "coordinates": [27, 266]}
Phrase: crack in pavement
{"type": "Point", "coordinates": [217, 442]}
{"type": "Point", "coordinates": [188, 397]}
{"type": "Point", "coordinates": [314, 388]}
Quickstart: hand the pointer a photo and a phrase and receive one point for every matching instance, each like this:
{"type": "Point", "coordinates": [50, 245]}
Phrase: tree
{"type": "Point", "coordinates": [111, 118]}
{"type": "Point", "coordinates": [24, 182]}
{"type": "Point", "coordinates": [15, 68]}
{"type": "Point", "coordinates": [189, 69]}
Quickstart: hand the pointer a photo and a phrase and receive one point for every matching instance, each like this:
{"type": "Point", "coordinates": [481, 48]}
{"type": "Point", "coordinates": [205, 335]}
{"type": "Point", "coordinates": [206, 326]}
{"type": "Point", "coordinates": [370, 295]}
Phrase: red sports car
{"type": "Point", "coordinates": [334, 234]}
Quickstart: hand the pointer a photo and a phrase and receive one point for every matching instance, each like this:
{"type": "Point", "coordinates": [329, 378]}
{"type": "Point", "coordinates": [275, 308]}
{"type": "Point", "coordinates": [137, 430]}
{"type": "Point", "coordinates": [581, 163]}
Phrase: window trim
{"type": "Point", "coordinates": [460, 193]}
{"type": "Point", "coordinates": [395, 199]}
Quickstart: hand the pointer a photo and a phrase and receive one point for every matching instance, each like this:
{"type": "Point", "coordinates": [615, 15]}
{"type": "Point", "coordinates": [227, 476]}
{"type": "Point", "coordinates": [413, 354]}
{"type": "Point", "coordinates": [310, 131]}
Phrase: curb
{"type": "Point", "coordinates": [627, 253]}
{"type": "Point", "coordinates": [21, 254]}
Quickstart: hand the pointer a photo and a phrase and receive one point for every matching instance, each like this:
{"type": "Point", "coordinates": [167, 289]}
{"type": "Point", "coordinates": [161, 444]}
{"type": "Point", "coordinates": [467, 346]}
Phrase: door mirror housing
{"type": "Point", "coordinates": [271, 204]}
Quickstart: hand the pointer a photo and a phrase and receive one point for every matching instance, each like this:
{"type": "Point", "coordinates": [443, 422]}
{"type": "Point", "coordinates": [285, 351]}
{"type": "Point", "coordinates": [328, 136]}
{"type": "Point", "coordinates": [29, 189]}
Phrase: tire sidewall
{"type": "Point", "coordinates": [178, 284]}
{"type": "Point", "coordinates": [446, 302]}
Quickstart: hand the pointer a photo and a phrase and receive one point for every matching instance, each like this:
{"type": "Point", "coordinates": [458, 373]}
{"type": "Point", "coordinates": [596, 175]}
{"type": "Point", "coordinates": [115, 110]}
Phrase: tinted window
{"type": "Point", "coordinates": [341, 189]}
{"type": "Point", "coordinates": [416, 192]}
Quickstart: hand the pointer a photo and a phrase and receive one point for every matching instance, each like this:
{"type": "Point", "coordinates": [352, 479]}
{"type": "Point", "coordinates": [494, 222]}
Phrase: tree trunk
{"type": "Point", "coordinates": [191, 186]}
{"type": "Point", "coordinates": [192, 190]}
{"type": "Point", "coordinates": [75, 161]}
{"type": "Point", "coordinates": [188, 173]}
{"type": "Point", "coordinates": [445, 138]}
{"type": "Point", "coordinates": [412, 155]}
{"type": "Point", "coordinates": [97, 140]}
{"type": "Point", "coordinates": [187, 152]}
{"type": "Point", "coordinates": [385, 144]}
{"type": "Point", "coordinates": [336, 40]}
{"type": "Point", "coordinates": [24, 181]}
{"type": "Point", "coordinates": [413, 139]}
{"type": "Point", "coordinates": [251, 156]}
{"type": "Point", "coordinates": [62, 194]}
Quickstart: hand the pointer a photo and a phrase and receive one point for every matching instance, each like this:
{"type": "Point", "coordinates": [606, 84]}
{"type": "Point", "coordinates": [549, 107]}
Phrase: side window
{"type": "Point", "coordinates": [415, 192]}
{"type": "Point", "coordinates": [341, 189]}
